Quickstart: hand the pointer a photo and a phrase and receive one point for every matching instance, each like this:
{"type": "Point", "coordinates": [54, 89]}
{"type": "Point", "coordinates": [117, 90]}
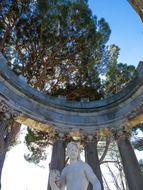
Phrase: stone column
{"type": "Point", "coordinates": [6, 122]}
{"type": "Point", "coordinates": [91, 157]}
{"type": "Point", "coordinates": [58, 155]}
{"type": "Point", "coordinates": [129, 160]}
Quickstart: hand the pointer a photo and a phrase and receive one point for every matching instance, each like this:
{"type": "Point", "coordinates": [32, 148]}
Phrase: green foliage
{"type": "Point", "coordinates": [118, 75]}
{"type": "Point", "coordinates": [55, 45]}
{"type": "Point", "coordinates": [36, 141]}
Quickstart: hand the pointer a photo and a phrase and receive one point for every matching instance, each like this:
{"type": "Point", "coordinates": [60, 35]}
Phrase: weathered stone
{"type": "Point", "coordinates": [58, 157]}
{"type": "Point", "coordinates": [130, 164]}
{"type": "Point", "coordinates": [8, 130]}
{"type": "Point", "coordinates": [76, 175]}
{"type": "Point", "coordinates": [138, 6]}
{"type": "Point", "coordinates": [91, 157]}
{"type": "Point", "coordinates": [69, 115]}
{"type": "Point", "coordinates": [4, 140]}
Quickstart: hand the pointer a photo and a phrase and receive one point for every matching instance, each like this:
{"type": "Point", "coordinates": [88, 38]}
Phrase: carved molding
{"type": "Point", "coordinates": [91, 138]}
{"type": "Point", "coordinates": [8, 111]}
{"type": "Point", "coordinates": [60, 136]}
{"type": "Point", "coordinates": [138, 6]}
{"type": "Point", "coordinates": [34, 124]}
{"type": "Point", "coordinates": [125, 132]}
{"type": "Point", "coordinates": [55, 114]}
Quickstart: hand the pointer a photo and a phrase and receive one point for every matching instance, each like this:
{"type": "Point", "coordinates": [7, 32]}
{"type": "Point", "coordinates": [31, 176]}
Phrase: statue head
{"type": "Point", "coordinates": [73, 151]}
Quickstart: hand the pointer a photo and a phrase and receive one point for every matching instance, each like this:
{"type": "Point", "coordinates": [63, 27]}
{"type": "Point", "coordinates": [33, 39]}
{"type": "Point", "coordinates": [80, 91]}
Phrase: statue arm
{"type": "Point", "coordinates": [53, 179]}
{"type": "Point", "coordinates": [54, 187]}
{"type": "Point", "coordinates": [62, 185]}
{"type": "Point", "coordinates": [62, 180]}
{"type": "Point", "coordinates": [92, 178]}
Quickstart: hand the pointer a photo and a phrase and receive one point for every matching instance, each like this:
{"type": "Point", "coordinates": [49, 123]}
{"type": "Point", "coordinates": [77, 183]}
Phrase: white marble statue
{"type": "Point", "coordinates": [76, 175]}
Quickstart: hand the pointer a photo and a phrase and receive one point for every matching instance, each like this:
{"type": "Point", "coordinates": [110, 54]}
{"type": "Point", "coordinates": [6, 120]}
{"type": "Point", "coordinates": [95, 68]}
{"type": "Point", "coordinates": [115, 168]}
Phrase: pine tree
{"type": "Point", "coordinates": [118, 75]}
{"type": "Point", "coordinates": [56, 45]}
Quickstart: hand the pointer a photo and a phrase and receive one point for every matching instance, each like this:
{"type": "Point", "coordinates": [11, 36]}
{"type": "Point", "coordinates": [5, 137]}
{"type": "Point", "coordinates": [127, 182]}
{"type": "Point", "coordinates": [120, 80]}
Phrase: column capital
{"type": "Point", "coordinates": [57, 136]}
{"type": "Point", "coordinates": [124, 132]}
{"type": "Point", "coordinates": [91, 138]}
{"type": "Point", "coordinates": [74, 135]}
{"type": "Point", "coordinates": [7, 111]}
{"type": "Point", "coordinates": [61, 136]}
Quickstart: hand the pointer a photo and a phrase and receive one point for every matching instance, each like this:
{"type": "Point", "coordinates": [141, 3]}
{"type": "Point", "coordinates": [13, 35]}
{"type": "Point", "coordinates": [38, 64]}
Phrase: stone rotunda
{"type": "Point", "coordinates": [63, 119]}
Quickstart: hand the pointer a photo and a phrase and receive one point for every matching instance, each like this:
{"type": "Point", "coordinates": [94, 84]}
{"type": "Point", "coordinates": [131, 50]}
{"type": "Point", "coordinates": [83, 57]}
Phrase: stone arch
{"type": "Point", "coordinates": [44, 112]}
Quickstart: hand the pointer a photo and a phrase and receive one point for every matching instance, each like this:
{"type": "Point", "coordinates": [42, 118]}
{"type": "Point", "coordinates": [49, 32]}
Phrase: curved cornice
{"type": "Point", "coordinates": [66, 115]}
{"type": "Point", "coordinates": [9, 77]}
{"type": "Point", "coordinates": [138, 6]}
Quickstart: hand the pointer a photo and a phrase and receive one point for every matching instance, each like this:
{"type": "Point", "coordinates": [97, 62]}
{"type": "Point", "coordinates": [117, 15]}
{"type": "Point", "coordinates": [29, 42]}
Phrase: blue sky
{"type": "Point", "coordinates": [126, 27]}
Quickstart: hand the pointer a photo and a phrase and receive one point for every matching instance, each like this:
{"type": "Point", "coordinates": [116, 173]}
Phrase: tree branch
{"type": "Point", "coordinates": [108, 140]}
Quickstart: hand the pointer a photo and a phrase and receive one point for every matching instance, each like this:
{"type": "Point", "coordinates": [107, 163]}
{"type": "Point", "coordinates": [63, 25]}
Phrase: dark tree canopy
{"type": "Point", "coordinates": [56, 45]}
